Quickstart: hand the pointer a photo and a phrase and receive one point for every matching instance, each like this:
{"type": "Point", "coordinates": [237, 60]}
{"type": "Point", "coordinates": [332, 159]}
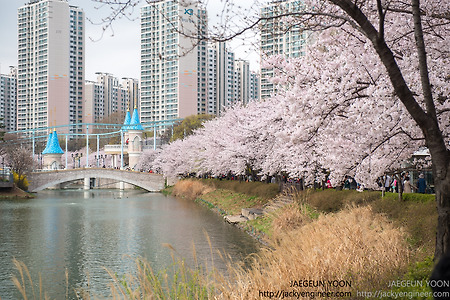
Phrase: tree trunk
{"type": "Point", "coordinates": [400, 187]}
{"type": "Point", "coordinates": [440, 155]}
{"type": "Point", "coordinates": [441, 174]}
{"type": "Point", "coordinates": [426, 120]}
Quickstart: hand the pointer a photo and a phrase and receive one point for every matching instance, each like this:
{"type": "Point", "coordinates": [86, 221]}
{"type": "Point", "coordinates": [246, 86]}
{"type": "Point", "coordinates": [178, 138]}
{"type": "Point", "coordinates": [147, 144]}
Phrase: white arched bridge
{"type": "Point", "coordinates": [148, 181]}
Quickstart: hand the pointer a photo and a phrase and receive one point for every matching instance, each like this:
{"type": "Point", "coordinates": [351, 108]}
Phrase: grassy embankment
{"type": "Point", "coordinates": [14, 193]}
{"type": "Point", "coordinates": [374, 240]}
{"type": "Point", "coordinates": [360, 240]}
{"type": "Point", "coordinates": [228, 197]}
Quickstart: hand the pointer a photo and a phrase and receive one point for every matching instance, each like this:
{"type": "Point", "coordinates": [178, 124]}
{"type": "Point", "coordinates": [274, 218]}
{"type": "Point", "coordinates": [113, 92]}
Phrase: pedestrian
{"type": "Point", "coordinates": [421, 184]}
{"type": "Point", "coordinates": [407, 186]}
{"type": "Point", "coordinates": [387, 183]}
{"type": "Point", "coordinates": [353, 183]}
{"type": "Point", "coordinates": [394, 186]}
{"type": "Point", "coordinates": [346, 183]}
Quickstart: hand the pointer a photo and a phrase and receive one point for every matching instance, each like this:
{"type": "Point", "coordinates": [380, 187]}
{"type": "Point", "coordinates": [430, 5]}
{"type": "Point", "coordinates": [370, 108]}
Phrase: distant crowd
{"type": "Point", "coordinates": [403, 182]}
{"type": "Point", "coordinates": [388, 183]}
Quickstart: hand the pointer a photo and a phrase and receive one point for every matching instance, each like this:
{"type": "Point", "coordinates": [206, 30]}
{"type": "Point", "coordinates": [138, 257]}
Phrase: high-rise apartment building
{"type": "Point", "coordinates": [242, 68]}
{"type": "Point", "coordinates": [255, 83]}
{"type": "Point", "coordinates": [173, 60]}
{"type": "Point", "coordinates": [211, 77]}
{"type": "Point", "coordinates": [229, 79]}
{"type": "Point", "coordinates": [221, 78]}
{"type": "Point", "coordinates": [277, 37]}
{"type": "Point", "coordinates": [94, 105]}
{"type": "Point", "coordinates": [51, 63]}
{"type": "Point", "coordinates": [8, 100]}
{"type": "Point", "coordinates": [131, 91]}
{"type": "Point", "coordinates": [110, 92]}
{"type": "Point", "coordinates": [107, 96]}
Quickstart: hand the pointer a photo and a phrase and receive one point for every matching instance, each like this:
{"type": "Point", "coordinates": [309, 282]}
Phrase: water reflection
{"type": "Point", "coordinates": [85, 231]}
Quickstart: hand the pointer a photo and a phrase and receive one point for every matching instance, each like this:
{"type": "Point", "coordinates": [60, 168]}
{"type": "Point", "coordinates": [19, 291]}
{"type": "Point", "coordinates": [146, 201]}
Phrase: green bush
{"type": "Point", "coordinates": [22, 182]}
{"type": "Point", "coordinates": [332, 200]}
{"type": "Point", "coordinates": [418, 217]}
{"type": "Point", "coordinates": [419, 273]}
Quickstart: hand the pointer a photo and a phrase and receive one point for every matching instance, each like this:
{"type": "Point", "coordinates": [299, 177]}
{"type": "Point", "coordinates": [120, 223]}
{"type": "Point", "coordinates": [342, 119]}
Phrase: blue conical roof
{"type": "Point", "coordinates": [53, 146]}
{"type": "Point", "coordinates": [127, 121]}
{"type": "Point", "coordinates": [135, 122]}
{"type": "Point", "coordinates": [49, 140]}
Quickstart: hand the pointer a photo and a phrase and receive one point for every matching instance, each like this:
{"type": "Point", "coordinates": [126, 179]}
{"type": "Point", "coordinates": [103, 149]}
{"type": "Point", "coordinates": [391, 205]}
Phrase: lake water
{"type": "Point", "coordinates": [87, 231]}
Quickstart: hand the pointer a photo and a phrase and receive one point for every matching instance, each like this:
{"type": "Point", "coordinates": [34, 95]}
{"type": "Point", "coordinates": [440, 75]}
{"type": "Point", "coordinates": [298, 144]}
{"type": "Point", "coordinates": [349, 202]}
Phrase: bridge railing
{"type": "Point", "coordinates": [115, 149]}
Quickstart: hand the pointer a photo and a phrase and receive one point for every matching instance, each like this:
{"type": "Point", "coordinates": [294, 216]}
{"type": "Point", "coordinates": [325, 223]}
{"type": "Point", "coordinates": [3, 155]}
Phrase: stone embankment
{"type": "Point", "coordinates": [252, 213]}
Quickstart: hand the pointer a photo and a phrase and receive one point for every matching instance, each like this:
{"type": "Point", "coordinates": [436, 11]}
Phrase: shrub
{"type": "Point", "coordinates": [332, 200]}
{"type": "Point", "coordinates": [419, 219]}
{"type": "Point", "coordinates": [22, 182]}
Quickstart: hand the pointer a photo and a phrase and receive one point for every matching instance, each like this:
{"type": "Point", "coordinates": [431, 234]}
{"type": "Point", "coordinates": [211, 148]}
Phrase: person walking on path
{"type": "Point", "coordinates": [407, 186]}
{"type": "Point", "coordinates": [387, 183]}
{"type": "Point", "coordinates": [421, 184]}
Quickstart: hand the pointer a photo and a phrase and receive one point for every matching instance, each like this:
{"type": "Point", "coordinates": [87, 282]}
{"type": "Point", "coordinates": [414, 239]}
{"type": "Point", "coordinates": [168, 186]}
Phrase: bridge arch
{"type": "Point", "coordinates": [148, 181]}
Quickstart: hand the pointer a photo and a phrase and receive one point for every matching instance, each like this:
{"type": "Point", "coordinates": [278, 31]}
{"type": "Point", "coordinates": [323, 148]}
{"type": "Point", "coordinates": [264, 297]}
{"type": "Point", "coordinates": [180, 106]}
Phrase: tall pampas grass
{"type": "Point", "coordinates": [25, 285]}
{"type": "Point", "coordinates": [355, 245]}
{"type": "Point", "coordinates": [190, 189]}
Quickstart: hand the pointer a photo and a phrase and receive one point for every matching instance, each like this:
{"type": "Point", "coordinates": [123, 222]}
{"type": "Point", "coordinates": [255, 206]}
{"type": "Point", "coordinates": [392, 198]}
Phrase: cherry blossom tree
{"type": "Point", "coordinates": [372, 88]}
{"type": "Point", "coordinates": [146, 160]}
{"type": "Point", "coordinates": [390, 39]}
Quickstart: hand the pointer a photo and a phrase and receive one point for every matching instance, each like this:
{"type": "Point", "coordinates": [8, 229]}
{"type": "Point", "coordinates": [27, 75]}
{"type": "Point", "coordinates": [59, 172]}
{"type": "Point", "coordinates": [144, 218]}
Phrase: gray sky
{"type": "Point", "coordinates": [118, 54]}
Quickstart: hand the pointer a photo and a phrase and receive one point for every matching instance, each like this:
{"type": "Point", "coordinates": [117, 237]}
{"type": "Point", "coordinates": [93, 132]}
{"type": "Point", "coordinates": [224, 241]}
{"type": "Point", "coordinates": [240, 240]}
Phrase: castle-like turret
{"type": "Point", "coordinates": [134, 139]}
{"type": "Point", "coordinates": [52, 153]}
{"type": "Point", "coordinates": [126, 124]}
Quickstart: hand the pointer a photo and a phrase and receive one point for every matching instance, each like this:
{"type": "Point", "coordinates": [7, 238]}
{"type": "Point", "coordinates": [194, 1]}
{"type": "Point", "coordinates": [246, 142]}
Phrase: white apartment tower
{"type": "Point", "coordinates": [94, 105]}
{"type": "Point", "coordinates": [173, 60]}
{"type": "Point", "coordinates": [255, 84]}
{"type": "Point", "coordinates": [222, 80]}
{"type": "Point", "coordinates": [51, 58]}
{"type": "Point", "coordinates": [130, 87]}
{"type": "Point", "coordinates": [8, 100]}
{"type": "Point", "coordinates": [229, 80]}
{"type": "Point", "coordinates": [242, 68]}
{"type": "Point", "coordinates": [107, 96]}
{"type": "Point", "coordinates": [278, 37]}
{"type": "Point", "coordinates": [110, 97]}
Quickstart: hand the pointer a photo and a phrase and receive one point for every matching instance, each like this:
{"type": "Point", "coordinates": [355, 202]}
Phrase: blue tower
{"type": "Point", "coordinates": [52, 153]}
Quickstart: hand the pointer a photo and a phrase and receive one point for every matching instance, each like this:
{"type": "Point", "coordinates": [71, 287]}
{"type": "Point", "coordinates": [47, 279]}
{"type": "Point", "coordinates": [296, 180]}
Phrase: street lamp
{"type": "Point", "coordinates": [74, 157]}
{"type": "Point", "coordinates": [40, 158]}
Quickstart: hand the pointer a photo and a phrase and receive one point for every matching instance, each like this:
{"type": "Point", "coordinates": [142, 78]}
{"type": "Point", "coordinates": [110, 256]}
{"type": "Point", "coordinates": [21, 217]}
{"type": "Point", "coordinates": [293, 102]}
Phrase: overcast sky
{"type": "Point", "coordinates": [118, 54]}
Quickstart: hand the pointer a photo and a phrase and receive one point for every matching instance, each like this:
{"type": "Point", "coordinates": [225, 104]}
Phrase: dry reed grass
{"type": "Point", "coordinates": [355, 244]}
{"type": "Point", "coordinates": [179, 281]}
{"type": "Point", "coordinates": [190, 189]}
{"type": "Point", "coordinates": [290, 218]}
{"type": "Point", "coordinates": [25, 285]}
